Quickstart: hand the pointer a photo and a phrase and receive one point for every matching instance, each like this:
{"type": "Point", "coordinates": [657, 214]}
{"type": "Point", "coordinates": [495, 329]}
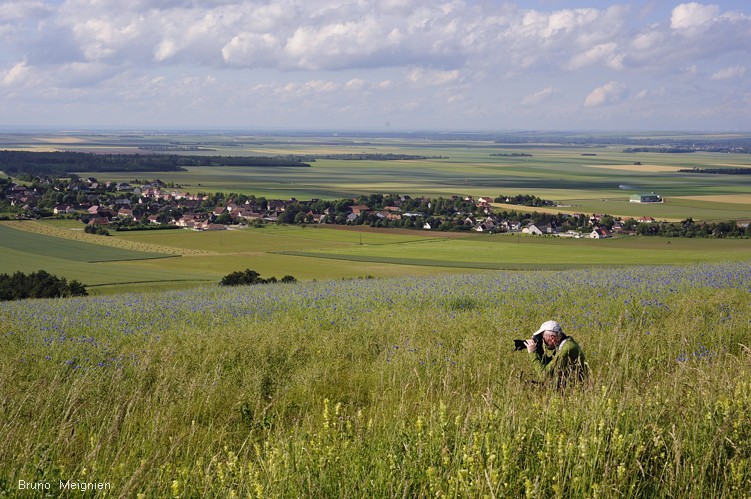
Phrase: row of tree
{"type": "Point", "coordinates": [62, 163]}
{"type": "Point", "coordinates": [689, 228]}
{"type": "Point", "coordinates": [718, 171]}
{"type": "Point", "coordinates": [38, 285]}
{"type": "Point", "coordinates": [524, 200]}
{"type": "Point", "coordinates": [249, 277]}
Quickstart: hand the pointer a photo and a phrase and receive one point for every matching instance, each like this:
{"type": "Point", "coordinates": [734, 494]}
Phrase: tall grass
{"type": "Point", "coordinates": [399, 387]}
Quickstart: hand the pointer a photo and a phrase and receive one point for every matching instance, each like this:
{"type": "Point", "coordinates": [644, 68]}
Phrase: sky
{"type": "Point", "coordinates": [377, 65]}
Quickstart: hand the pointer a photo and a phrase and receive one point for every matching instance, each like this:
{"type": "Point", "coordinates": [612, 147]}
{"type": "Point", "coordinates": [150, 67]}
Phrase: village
{"type": "Point", "coordinates": [155, 205]}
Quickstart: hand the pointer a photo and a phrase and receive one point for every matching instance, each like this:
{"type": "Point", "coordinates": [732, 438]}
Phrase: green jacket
{"type": "Point", "coordinates": [565, 364]}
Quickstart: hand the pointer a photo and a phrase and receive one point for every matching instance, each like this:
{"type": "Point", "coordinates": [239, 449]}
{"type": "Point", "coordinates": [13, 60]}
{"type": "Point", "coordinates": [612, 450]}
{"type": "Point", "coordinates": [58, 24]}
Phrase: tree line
{"type": "Point", "coordinates": [524, 200]}
{"type": "Point", "coordinates": [39, 284]}
{"type": "Point", "coordinates": [718, 171]}
{"type": "Point", "coordinates": [62, 163]}
{"type": "Point", "coordinates": [250, 277]}
{"type": "Point", "coordinates": [691, 229]}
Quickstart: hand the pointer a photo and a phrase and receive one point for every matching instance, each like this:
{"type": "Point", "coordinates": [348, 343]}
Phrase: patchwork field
{"type": "Point", "coordinates": [588, 179]}
{"type": "Point", "coordinates": [596, 178]}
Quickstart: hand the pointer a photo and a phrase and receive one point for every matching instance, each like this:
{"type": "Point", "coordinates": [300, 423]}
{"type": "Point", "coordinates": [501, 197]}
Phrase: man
{"type": "Point", "coordinates": [566, 363]}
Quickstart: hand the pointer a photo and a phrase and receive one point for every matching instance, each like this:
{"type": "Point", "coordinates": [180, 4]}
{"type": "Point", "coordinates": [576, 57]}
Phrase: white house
{"type": "Point", "coordinates": [599, 234]}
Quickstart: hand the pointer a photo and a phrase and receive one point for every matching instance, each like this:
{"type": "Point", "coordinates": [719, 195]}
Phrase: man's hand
{"type": "Point", "coordinates": [531, 345]}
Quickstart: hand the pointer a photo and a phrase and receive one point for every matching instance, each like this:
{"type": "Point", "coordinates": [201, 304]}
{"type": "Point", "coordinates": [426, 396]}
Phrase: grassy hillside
{"type": "Point", "coordinates": [377, 388]}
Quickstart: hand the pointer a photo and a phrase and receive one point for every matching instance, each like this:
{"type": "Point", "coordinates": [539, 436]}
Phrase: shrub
{"type": "Point", "coordinates": [248, 277]}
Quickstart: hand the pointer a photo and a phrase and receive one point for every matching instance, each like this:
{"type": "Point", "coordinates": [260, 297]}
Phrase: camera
{"type": "Point", "coordinates": [519, 344]}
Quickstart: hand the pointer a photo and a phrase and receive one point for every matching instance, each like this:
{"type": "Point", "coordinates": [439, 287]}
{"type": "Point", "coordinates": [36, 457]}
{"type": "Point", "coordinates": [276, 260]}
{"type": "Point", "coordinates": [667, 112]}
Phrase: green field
{"type": "Point", "coordinates": [92, 264]}
{"type": "Point", "coordinates": [314, 253]}
{"type": "Point", "coordinates": [107, 269]}
{"type": "Point", "coordinates": [41, 246]}
{"type": "Point", "coordinates": [528, 252]}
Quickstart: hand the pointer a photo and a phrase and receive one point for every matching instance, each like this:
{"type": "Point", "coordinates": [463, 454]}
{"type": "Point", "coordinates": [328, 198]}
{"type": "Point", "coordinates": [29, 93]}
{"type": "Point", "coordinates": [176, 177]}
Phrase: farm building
{"type": "Point", "coordinates": [646, 198]}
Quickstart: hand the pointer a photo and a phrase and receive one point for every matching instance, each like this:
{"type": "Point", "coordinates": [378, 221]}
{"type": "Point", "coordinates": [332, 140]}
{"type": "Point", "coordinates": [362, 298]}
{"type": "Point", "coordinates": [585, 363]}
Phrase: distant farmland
{"type": "Point", "coordinates": [600, 182]}
{"type": "Point", "coordinates": [591, 183]}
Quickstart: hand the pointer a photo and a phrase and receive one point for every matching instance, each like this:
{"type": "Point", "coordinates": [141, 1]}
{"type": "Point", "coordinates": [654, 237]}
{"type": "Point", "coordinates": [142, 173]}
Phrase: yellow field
{"type": "Point", "coordinates": [38, 148]}
{"type": "Point", "coordinates": [639, 168]}
{"type": "Point", "coordinates": [721, 198]}
{"type": "Point", "coordinates": [80, 235]}
{"type": "Point", "coordinates": [61, 140]}
{"type": "Point", "coordinates": [312, 151]}
{"type": "Point", "coordinates": [564, 209]}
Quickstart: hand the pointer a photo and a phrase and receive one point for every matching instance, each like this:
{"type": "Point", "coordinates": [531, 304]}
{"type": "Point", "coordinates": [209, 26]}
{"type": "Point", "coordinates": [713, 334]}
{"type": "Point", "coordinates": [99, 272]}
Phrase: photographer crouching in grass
{"type": "Point", "coordinates": [565, 364]}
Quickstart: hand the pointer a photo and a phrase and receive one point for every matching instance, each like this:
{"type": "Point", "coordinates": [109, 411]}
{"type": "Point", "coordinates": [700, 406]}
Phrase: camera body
{"type": "Point", "coordinates": [519, 344]}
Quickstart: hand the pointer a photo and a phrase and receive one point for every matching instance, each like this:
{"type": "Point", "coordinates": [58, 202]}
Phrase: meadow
{"type": "Point", "coordinates": [385, 387]}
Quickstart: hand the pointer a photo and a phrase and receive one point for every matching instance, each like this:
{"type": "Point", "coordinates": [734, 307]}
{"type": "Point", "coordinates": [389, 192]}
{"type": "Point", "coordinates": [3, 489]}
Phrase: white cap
{"type": "Point", "coordinates": [549, 326]}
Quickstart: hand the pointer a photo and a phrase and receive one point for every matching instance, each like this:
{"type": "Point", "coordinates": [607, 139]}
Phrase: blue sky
{"type": "Point", "coordinates": [398, 64]}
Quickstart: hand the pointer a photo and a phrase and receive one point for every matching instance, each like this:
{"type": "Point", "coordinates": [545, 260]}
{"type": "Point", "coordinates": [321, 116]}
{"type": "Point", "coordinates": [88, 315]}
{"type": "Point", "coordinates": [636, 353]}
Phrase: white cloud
{"type": "Point", "coordinates": [645, 94]}
{"type": "Point", "coordinates": [250, 49]}
{"type": "Point", "coordinates": [729, 73]}
{"type": "Point", "coordinates": [427, 77]}
{"type": "Point", "coordinates": [647, 40]}
{"type": "Point", "coordinates": [537, 97]}
{"type": "Point", "coordinates": [332, 35]}
{"type": "Point", "coordinates": [605, 52]}
{"type": "Point", "coordinates": [19, 11]}
{"type": "Point", "coordinates": [483, 54]}
{"type": "Point", "coordinates": [689, 15]}
{"type": "Point", "coordinates": [306, 88]}
{"type": "Point", "coordinates": [16, 74]}
{"type": "Point", "coordinates": [605, 94]}
{"type": "Point", "coordinates": [165, 50]}
{"type": "Point", "coordinates": [102, 38]}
